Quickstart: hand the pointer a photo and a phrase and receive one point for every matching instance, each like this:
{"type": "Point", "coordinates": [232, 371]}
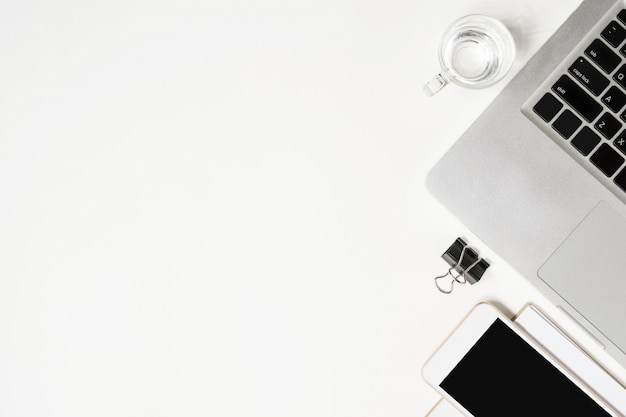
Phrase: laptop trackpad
{"type": "Point", "coordinates": [588, 270]}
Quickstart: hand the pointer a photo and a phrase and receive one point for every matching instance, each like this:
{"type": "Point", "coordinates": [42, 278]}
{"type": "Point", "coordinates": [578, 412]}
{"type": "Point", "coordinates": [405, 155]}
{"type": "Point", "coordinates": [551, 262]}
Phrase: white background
{"type": "Point", "coordinates": [217, 208]}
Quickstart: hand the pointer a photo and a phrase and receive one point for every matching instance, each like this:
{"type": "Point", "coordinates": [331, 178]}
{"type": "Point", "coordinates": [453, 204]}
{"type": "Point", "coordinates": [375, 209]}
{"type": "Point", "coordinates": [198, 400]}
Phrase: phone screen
{"type": "Point", "coordinates": [502, 375]}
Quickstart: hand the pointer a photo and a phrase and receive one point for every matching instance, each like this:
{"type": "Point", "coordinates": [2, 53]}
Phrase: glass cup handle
{"type": "Point", "coordinates": [433, 86]}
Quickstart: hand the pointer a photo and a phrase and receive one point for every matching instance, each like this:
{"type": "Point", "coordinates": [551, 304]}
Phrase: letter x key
{"type": "Point", "coordinates": [620, 142]}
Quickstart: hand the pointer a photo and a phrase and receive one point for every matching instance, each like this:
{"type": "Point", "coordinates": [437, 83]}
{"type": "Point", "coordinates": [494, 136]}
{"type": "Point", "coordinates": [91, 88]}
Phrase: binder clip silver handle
{"type": "Point", "coordinates": [465, 266]}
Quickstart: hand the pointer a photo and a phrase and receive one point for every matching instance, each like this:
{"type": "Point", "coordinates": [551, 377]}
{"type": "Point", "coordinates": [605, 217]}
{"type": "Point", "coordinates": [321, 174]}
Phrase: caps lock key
{"type": "Point", "coordinates": [588, 76]}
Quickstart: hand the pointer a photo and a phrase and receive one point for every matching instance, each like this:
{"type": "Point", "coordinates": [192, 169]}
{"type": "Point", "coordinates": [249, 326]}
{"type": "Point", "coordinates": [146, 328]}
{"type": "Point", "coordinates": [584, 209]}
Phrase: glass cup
{"type": "Point", "coordinates": [476, 51]}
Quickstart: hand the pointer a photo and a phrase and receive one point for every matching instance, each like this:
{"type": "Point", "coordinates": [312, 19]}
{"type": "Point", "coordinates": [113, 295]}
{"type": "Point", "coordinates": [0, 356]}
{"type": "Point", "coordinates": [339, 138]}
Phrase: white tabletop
{"type": "Point", "coordinates": [217, 208]}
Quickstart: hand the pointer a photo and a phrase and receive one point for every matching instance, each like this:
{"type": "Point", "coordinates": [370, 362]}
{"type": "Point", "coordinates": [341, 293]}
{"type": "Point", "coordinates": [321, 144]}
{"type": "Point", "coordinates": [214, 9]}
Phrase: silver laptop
{"type": "Point", "coordinates": [540, 176]}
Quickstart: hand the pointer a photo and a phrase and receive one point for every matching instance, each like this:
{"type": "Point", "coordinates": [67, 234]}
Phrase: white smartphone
{"type": "Point", "coordinates": [490, 367]}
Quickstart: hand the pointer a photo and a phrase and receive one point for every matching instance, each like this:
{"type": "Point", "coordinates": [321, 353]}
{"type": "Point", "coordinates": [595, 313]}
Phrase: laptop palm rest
{"type": "Point", "coordinates": [588, 271]}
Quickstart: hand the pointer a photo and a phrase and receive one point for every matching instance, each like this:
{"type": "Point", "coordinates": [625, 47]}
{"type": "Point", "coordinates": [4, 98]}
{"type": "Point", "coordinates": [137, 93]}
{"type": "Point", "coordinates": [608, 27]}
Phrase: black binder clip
{"type": "Point", "coordinates": [465, 266]}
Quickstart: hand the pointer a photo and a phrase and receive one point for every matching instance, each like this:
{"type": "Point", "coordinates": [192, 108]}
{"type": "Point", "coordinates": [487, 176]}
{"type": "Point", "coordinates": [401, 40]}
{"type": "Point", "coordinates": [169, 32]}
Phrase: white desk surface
{"type": "Point", "coordinates": [216, 208]}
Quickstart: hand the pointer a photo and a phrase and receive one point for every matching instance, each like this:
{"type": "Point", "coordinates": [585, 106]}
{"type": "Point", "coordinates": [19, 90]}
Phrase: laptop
{"type": "Point", "coordinates": [540, 176]}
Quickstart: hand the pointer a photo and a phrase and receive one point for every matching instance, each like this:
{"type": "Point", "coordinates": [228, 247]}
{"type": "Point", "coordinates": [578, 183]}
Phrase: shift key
{"type": "Point", "coordinates": [577, 97]}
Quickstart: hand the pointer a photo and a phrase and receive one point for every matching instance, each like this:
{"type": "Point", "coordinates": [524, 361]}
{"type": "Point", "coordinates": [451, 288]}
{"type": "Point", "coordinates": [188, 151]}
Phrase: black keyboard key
{"type": "Point", "coordinates": [548, 107]}
{"type": "Point", "coordinates": [602, 55]}
{"type": "Point", "coordinates": [620, 179]}
{"type": "Point", "coordinates": [607, 159]}
{"type": "Point", "coordinates": [620, 142]}
{"type": "Point", "coordinates": [585, 141]}
{"type": "Point", "coordinates": [566, 124]}
{"type": "Point", "coordinates": [620, 76]}
{"type": "Point", "coordinates": [614, 34]}
{"type": "Point", "coordinates": [589, 76]}
{"type": "Point", "coordinates": [614, 99]}
{"type": "Point", "coordinates": [608, 125]}
{"type": "Point", "coordinates": [622, 16]}
{"type": "Point", "coordinates": [579, 99]}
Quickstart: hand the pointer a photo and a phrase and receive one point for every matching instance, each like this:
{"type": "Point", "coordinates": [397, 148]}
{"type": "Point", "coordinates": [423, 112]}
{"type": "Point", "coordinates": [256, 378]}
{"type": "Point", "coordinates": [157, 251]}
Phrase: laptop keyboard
{"type": "Point", "coordinates": [585, 103]}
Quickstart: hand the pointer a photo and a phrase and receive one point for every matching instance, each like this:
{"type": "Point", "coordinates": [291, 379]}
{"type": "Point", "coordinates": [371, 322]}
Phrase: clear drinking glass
{"type": "Point", "coordinates": [476, 51]}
